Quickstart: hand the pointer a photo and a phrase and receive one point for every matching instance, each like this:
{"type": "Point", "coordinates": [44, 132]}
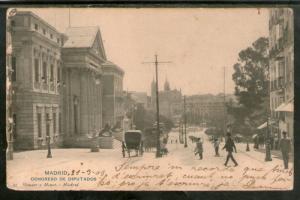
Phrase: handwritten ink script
{"type": "Point", "coordinates": [166, 176]}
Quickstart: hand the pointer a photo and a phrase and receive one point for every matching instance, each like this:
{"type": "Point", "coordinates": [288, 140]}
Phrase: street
{"type": "Point", "coordinates": [180, 164]}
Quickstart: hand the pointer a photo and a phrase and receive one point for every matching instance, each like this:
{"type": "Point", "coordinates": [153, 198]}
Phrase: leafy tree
{"type": "Point", "coordinates": [251, 86]}
{"type": "Point", "coordinates": [145, 119]}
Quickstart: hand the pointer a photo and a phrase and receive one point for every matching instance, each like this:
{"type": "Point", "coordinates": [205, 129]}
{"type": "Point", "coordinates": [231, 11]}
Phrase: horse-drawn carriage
{"type": "Point", "coordinates": [132, 140]}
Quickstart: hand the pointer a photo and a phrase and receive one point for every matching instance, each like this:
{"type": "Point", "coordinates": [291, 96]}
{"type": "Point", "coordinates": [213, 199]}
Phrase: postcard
{"type": "Point", "coordinates": [150, 99]}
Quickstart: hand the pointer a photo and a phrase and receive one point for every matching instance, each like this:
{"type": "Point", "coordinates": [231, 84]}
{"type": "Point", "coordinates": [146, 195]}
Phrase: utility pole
{"type": "Point", "coordinates": [184, 109]}
{"type": "Point", "coordinates": [158, 153]}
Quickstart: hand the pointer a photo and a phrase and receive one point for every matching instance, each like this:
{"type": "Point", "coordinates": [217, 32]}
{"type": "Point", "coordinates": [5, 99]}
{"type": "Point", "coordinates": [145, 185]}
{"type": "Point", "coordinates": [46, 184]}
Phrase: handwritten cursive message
{"type": "Point", "coordinates": [129, 175]}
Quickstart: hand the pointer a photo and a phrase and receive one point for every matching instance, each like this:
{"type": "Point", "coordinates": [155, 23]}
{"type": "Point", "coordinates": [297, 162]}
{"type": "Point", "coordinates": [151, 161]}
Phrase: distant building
{"type": "Point", "coordinates": [170, 101]}
{"type": "Point", "coordinates": [36, 64]}
{"type": "Point", "coordinates": [208, 109]}
{"type": "Point", "coordinates": [113, 109]}
{"type": "Point", "coordinates": [281, 70]}
{"type": "Point", "coordinates": [140, 98]}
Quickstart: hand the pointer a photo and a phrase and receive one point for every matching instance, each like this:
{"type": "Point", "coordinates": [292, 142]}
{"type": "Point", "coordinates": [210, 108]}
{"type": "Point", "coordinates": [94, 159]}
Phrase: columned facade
{"type": "Point", "coordinates": [83, 94]}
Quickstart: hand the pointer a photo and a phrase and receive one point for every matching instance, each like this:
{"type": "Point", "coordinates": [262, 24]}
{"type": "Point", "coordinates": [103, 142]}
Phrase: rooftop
{"type": "Point", "coordinates": [81, 37]}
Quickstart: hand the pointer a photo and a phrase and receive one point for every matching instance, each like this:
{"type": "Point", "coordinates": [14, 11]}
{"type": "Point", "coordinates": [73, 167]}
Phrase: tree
{"type": "Point", "coordinates": [145, 119]}
{"type": "Point", "coordinates": [251, 86]}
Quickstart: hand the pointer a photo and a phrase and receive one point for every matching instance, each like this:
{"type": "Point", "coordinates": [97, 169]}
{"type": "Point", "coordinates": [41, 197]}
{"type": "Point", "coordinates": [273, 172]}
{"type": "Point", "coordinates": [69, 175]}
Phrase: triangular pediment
{"type": "Point", "coordinates": [98, 46]}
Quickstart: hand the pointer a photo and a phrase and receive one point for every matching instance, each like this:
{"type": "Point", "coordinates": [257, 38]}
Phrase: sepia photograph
{"type": "Point", "coordinates": [150, 99]}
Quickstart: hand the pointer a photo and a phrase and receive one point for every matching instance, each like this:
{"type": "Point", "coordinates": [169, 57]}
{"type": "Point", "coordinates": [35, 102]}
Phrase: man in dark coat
{"type": "Point", "coordinates": [285, 147]}
{"type": "Point", "coordinates": [230, 146]}
{"type": "Point", "coordinates": [199, 148]}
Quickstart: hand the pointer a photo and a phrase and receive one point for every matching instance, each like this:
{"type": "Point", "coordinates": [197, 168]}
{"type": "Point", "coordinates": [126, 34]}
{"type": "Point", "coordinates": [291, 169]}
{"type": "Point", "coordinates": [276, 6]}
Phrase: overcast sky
{"type": "Point", "coordinates": [198, 42]}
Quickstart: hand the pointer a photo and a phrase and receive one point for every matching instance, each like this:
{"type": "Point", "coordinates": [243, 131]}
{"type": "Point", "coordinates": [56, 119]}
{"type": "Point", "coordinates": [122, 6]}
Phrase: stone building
{"type": "Point", "coordinates": [208, 109]}
{"type": "Point", "coordinates": [170, 101]}
{"type": "Point", "coordinates": [58, 82]}
{"type": "Point", "coordinates": [83, 56]}
{"type": "Point", "coordinates": [113, 110]}
{"type": "Point", "coordinates": [281, 70]}
{"type": "Point", "coordinates": [36, 64]}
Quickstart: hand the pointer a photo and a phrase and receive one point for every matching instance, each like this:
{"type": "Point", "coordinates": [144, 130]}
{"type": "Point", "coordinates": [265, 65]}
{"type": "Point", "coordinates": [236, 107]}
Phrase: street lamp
{"type": "Point", "coordinates": [49, 155]}
{"type": "Point", "coordinates": [247, 147]}
{"type": "Point", "coordinates": [48, 139]}
{"type": "Point", "coordinates": [267, 141]}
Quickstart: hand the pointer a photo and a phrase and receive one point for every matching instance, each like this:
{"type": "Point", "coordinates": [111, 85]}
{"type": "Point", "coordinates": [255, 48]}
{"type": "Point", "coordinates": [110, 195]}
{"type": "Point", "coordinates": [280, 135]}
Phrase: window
{"type": "Point", "coordinates": [39, 124]}
{"type": "Point", "coordinates": [58, 40]}
{"type": "Point", "coordinates": [51, 36]}
{"type": "Point", "coordinates": [36, 70]}
{"type": "Point", "coordinates": [14, 69]}
{"type": "Point", "coordinates": [44, 72]}
{"type": "Point", "coordinates": [54, 122]}
{"type": "Point", "coordinates": [12, 23]}
{"type": "Point", "coordinates": [36, 27]}
{"type": "Point", "coordinates": [44, 31]}
{"type": "Point", "coordinates": [51, 72]}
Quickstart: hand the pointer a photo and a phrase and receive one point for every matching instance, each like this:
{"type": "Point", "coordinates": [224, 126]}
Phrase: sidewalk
{"type": "Point", "coordinates": [276, 154]}
{"type": "Point", "coordinates": [260, 153]}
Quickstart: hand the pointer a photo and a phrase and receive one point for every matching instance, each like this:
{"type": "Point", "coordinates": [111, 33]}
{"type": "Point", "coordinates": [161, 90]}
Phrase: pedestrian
{"type": "Point", "coordinates": [230, 146]}
{"type": "Point", "coordinates": [199, 148]}
{"type": "Point", "coordinates": [285, 146]}
{"type": "Point", "coordinates": [216, 146]}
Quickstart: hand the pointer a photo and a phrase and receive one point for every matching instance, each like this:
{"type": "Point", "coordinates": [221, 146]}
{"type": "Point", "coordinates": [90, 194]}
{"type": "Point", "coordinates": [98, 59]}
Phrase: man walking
{"type": "Point", "coordinates": [229, 146]}
{"type": "Point", "coordinates": [199, 148]}
{"type": "Point", "coordinates": [285, 146]}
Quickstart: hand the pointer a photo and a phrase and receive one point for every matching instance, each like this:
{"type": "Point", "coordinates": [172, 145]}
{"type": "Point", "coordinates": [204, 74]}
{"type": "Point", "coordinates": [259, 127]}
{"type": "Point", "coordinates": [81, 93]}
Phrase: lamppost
{"type": "Point", "coordinates": [267, 138]}
{"type": "Point", "coordinates": [267, 142]}
{"type": "Point", "coordinates": [247, 147]}
{"type": "Point", "coordinates": [48, 139]}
